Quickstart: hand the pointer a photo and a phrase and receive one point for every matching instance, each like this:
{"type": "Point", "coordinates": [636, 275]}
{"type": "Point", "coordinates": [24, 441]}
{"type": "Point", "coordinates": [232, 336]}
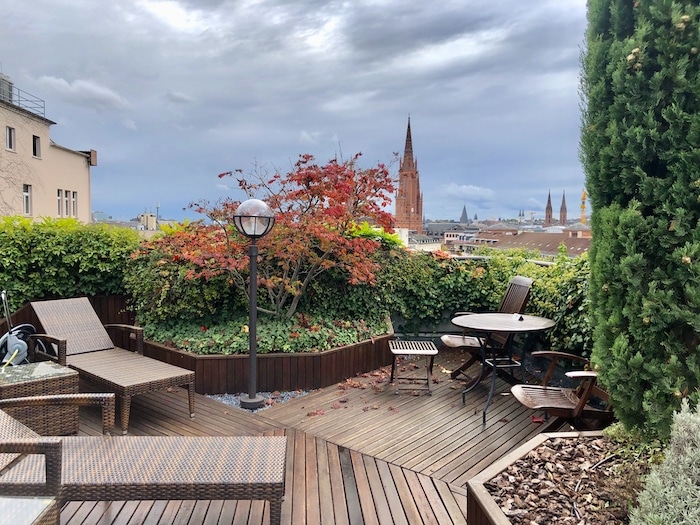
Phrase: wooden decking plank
{"type": "Point", "coordinates": [434, 498]}
{"type": "Point", "coordinates": [392, 496]}
{"type": "Point", "coordinates": [299, 478]}
{"type": "Point", "coordinates": [313, 508]}
{"type": "Point", "coordinates": [352, 498]}
{"type": "Point", "coordinates": [213, 512]}
{"type": "Point", "coordinates": [325, 494]}
{"type": "Point", "coordinates": [242, 513]}
{"type": "Point", "coordinates": [228, 511]}
{"type": "Point", "coordinates": [199, 512]}
{"type": "Point", "coordinates": [455, 501]}
{"type": "Point", "coordinates": [340, 508]}
{"type": "Point", "coordinates": [410, 508]}
{"type": "Point", "coordinates": [369, 512]}
{"type": "Point", "coordinates": [381, 503]}
{"type": "Point", "coordinates": [422, 501]}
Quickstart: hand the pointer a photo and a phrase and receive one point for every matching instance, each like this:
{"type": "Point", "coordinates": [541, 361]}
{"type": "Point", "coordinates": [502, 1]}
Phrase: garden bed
{"type": "Point", "coordinates": [220, 374]}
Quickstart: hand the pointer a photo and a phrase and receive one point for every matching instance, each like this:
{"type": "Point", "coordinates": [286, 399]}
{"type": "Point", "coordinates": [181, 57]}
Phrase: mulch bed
{"type": "Point", "coordinates": [579, 481]}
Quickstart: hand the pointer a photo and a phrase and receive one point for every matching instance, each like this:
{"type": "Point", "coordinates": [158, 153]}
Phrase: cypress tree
{"type": "Point", "coordinates": [640, 147]}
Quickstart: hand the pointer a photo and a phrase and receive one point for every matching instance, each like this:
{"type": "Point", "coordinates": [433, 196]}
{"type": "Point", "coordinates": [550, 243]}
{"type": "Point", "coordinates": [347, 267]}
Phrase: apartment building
{"type": "Point", "coordinates": [39, 178]}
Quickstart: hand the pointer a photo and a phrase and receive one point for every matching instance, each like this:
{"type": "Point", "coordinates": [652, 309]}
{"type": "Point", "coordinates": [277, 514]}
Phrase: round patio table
{"type": "Point", "coordinates": [488, 323]}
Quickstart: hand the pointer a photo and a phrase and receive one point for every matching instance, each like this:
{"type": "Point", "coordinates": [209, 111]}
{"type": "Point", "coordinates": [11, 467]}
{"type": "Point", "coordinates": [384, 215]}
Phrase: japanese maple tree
{"type": "Point", "coordinates": [317, 209]}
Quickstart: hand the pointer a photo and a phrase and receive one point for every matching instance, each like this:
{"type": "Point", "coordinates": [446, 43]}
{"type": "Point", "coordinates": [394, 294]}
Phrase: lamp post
{"type": "Point", "coordinates": [254, 219]}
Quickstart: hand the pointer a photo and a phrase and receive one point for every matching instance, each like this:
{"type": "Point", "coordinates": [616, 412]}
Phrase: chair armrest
{"type": "Point", "coordinates": [52, 448]}
{"type": "Point", "coordinates": [106, 401]}
{"type": "Point", "coordinates": [554, 357]}
{"type": "Point", "coordinates": [135, 331]}
{"type": "Point", "coordinates": [582, 374]}
{"type": "Point", "coordinates": [61, 346]}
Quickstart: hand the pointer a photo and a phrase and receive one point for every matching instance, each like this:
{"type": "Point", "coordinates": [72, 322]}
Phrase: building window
{"type": "Point", "coordinates": [27, 199]}
{"type": "Point", "coordinates": [36, 146]}
{"type": "Point", "coordinates": [59, 196]}
{"type": "Point", "coordinates": [66, 193]}
{"type": "Point", "coordinates": [75, 204]}
{"type": "Point", "coordinates": [10, 138]}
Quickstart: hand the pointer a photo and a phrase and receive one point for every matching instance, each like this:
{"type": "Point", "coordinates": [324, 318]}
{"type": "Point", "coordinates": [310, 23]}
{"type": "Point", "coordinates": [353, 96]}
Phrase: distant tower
{"type": "Point", "coordinates": [584, 195]}
{"type": "Point", "coordinates": [548, 210]}
{"type": "Point", "coordinates": [562, 210]}
{"type": "Point", "coordinates": [464, 219]}
{"type": "Point", "coordinates": [409, 199]}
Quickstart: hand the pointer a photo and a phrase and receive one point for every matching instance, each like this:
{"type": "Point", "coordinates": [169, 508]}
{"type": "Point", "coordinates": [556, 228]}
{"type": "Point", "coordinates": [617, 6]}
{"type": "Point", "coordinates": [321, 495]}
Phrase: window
{"type": "Point", "coordinates": [27, 199]}
{"type": "Point", "coordinates": [36, 146]}
{"type": "Point", "coordinates": [75, 204]}
{"type": "Point", "coordinates": [10, 138]}
{"type": "Point", "coordinates": [66, 208]}
{"type": "Point", "coordinates": [59, 195]}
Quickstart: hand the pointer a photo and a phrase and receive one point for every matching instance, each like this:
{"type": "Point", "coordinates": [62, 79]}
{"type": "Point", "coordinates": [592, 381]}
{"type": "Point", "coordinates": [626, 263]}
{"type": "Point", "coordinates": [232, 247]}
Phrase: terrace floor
{"type": "Point", "coordinates": [358, 452]}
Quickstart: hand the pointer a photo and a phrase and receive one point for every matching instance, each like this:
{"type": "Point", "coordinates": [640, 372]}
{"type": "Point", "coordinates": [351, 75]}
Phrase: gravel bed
{"type": "Point", "coordinates": [271, 398]}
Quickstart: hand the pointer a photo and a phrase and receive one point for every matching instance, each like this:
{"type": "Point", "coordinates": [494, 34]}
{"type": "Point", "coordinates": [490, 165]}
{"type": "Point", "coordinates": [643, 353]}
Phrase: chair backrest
{"type": "Point", "coordinates": [74, 320]}
{"type": "Point", "coordinates": [514, 302]}
{"type": "Point", "coordinates": [515, 299]}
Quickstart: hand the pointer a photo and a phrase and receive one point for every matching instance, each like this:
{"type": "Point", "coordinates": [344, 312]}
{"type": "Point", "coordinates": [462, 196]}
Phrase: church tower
{"type": "Point", "coordinates": [548, 211]}
{"type": "Point", "coordinates": [409, 199]}
{"type": "Point", "coordinates": [562, 210]}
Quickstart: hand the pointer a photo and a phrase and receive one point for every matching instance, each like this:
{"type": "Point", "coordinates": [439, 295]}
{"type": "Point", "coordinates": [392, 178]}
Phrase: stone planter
{"type": "Point", "coordinates": [481, 508]}
{"type": "Point", "coordinates": [220, 374]}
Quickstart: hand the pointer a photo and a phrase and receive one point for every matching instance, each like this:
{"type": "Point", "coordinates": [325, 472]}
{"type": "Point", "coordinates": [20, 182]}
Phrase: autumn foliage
{"type": "Point", "coordinates": [317, 209]}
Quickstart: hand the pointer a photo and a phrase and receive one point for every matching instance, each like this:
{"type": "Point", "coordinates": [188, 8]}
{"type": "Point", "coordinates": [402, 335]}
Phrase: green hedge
{"type": "Point", "coordinates": [62, 258]}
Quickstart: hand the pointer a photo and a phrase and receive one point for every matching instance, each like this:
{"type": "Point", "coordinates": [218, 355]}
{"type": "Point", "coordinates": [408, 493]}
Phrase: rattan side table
{"type": "Point", "coordinates": [39, 379]}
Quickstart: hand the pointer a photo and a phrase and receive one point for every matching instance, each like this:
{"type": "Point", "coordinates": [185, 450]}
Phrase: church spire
{"type": "Point", "coordinates": [409, 198]}
{"type": "Point", "coordinates": [562, 210]}
{"type": "Point", "coordinates": [548, 210]}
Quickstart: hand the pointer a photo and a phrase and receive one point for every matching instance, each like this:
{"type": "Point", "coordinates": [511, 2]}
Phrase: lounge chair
{"type": "Point", "coordinates": [81, 342]}
{"type": "Point", "coordinates": [133, 468]}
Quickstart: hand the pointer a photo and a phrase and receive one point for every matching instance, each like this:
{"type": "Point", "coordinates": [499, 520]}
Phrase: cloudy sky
{"type": "Point", "coordinates": [172, 93]}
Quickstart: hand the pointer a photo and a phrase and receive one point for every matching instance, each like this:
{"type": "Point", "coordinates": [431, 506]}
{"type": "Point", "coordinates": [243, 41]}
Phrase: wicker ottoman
{"type": "Point", "coordinates": [37, 379]}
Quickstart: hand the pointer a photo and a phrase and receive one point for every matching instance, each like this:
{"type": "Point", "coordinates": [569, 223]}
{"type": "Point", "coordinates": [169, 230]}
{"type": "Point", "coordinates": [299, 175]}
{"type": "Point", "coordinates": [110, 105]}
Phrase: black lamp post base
{"type": "Point", "coordinates": [251, 403]}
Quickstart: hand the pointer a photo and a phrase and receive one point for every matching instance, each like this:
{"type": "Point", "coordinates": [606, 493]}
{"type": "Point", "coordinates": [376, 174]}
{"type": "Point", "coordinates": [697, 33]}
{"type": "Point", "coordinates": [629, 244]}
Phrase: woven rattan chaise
{"type": "Point", "coordinates": [81, 342]}
{"type": "Point", "coordinates": [133, 468]}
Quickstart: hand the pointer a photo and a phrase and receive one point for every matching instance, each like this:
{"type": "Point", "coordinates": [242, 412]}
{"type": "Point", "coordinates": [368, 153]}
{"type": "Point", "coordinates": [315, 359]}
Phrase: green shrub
{"type": "Point", "coordinates": [62, 258]}
{"type": "Point", "coordinates": [671, 494]}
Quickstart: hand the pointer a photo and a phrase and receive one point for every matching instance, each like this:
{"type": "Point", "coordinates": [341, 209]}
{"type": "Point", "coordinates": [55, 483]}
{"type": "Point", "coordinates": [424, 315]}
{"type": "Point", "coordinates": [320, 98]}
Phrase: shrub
{"type": "Point", "coordinates": [62, 258]}
{"type": "Point", "coordinates": [671, 494]}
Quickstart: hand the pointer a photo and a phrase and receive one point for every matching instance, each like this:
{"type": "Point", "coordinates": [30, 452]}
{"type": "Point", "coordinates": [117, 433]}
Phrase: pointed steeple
{"type": "Point", "coordinates": [562, 210]}
{"type": "Point", "coordinates": [548, 210]}
{"type": "Point", "coordinates": [464, 219]}
{"type": "Point", "coordinates": [408, 162]}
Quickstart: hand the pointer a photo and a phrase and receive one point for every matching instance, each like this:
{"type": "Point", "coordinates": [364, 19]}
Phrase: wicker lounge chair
{"type": "Point", "coordinates": [132, 468]}
{"type": "Point", "coordinates": [81, 342]}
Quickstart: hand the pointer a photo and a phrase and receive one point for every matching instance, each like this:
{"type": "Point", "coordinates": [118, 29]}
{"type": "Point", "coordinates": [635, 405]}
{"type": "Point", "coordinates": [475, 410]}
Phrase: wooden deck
{"type": "Point", "coordinates": [358, 453]}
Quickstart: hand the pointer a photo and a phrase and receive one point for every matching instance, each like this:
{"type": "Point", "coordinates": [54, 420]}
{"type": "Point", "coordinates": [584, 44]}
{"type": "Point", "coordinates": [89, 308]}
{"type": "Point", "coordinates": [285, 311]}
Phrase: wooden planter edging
{"type": "Point", "coordinates": [220, 374]}
{"type": "Point", "coordinates": [481, 508]}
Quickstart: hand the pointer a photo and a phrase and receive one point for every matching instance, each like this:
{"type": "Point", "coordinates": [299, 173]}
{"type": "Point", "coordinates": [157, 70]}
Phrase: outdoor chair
{"type": "Point", "coordinates": [73, 329]}
{"type": "Point", "coordinates": [586, 401]}
{"type": "Point", "coordinates": [514, 301]}
{"type": "Point", "coordinates": [136, 468]}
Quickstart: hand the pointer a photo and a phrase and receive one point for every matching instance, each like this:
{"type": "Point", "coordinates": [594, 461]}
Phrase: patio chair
{"type": "Point", "coordinates": [584, 402]}
{"type": "Point", "coordinates": [135, 468]}
{"type": "Point", "coordinates": [514, 301]}
{"type": "Point", "coordinates": [72, 328]}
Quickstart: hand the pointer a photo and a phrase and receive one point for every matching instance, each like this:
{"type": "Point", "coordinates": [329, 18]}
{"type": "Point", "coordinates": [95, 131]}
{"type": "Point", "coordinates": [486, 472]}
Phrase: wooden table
{"type": "Point", "coordinates": [39, 379]}
{"type": "Point", "coordinates": [489, 323]}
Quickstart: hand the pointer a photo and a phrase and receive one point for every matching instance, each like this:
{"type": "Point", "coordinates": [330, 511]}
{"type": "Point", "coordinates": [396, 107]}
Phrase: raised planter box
{"type": "Point", "coordinates": [481, 508]}
{"type": "Point", "coordinates": [220, 374]}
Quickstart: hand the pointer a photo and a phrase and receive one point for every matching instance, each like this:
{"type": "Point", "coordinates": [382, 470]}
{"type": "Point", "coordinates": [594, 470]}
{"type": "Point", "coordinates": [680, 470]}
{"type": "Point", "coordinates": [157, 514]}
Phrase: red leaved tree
{"type": "Point", "coordinates": [317, 211]}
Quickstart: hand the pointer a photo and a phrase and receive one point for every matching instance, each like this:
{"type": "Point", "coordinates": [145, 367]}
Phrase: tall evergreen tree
{"type": "Point", "coordinates": [640, 146]}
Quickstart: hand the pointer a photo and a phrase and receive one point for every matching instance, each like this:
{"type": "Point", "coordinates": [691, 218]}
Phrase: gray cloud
{"type": "Point", "coordinates": [171, 93]}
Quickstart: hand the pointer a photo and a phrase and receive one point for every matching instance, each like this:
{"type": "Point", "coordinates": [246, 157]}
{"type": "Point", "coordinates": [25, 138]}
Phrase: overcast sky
{"type": "Point", "coordinates": [172, 93]}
